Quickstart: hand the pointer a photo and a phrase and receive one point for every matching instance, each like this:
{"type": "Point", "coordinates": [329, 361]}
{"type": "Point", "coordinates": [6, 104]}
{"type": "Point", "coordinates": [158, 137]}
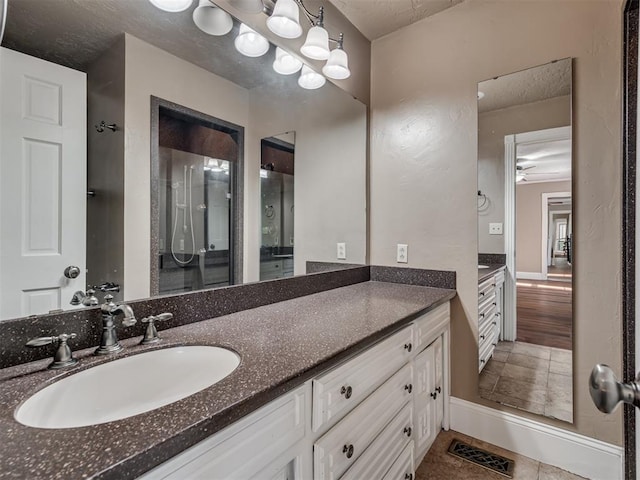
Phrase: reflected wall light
{"type": "Point", "coordinates": [285, 63]}
{"type": "Point", "coordinates": [310, 80]}
{"type": "Point", "coordinates": [250, 43]}
{"type": "Point", "coordinates": [212, 19]}
{"type": "Point", "coordinates": [172, 5]}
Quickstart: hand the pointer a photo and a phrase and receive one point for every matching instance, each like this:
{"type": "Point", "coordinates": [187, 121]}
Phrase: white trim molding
{"type": "Point", "coordinates": [567, 450]}
{"type": "Point", "coordinates": [529, 276]}
{"type": "Point", "coordinates": [544, 239]}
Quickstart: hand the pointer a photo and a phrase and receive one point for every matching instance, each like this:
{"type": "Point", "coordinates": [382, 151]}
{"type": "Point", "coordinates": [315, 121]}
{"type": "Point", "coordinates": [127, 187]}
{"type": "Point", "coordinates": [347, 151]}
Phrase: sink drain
{"type": "Point", "coordinates": [485, 459]}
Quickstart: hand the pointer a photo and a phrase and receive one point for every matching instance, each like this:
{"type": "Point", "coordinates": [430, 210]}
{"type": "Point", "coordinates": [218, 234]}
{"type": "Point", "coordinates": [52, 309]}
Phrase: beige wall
{"type": "Point", "coordinates": [424, 163]}
{"type": "Point", "coordinates": [151, 71]}
{"type": "Point", "coordinates": [492, 128]}
{"type": "Point", "coordinates": [529, 223]}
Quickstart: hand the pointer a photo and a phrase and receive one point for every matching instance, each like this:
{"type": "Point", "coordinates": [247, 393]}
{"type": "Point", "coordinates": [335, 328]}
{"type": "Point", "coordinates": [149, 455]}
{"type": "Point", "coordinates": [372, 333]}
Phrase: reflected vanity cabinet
{"type": "Point", "coordinates": [490, 313]}
{"type": "Point", "coordinates": [373, 416]}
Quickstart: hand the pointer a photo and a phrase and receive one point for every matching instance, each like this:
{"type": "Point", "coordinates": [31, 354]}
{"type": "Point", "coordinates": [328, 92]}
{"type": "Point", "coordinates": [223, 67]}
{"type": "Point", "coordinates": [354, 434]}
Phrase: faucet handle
{"type": "Point", "coordinates": [63, 356]}
{"type": "Point", "coordinates": [151, 333]}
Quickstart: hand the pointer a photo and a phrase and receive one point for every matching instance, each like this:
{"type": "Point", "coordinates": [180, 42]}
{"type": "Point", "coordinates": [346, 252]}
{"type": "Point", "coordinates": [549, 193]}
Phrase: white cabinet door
{"type": "Point", "coordinates": [429, 396]}
{"type": "Point", "coordinates": [42, 183]}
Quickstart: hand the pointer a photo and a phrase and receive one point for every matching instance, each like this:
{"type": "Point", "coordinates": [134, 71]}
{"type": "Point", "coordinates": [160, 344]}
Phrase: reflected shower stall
{"type": "Point", "coordinates": [196, 172]}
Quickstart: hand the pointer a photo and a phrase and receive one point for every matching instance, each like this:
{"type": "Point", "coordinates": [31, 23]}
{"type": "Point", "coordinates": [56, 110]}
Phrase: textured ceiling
{"type": "Point", "coordinates": [75, 33]}
{"type": "Point", "coordinates": [531, 85]}
{"type": "Point", "coordinates": [376, 18]}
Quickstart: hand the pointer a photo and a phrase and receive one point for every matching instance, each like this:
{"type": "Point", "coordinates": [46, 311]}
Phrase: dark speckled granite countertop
{"type": "Point", "coordinates": [281, 345]}
{"type": "Point", "coordinates": [487, 272]}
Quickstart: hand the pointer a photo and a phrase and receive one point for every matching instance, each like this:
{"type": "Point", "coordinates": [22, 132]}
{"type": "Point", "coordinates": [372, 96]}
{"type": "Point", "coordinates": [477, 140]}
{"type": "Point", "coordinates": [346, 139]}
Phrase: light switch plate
{"type": "Point", "coordinates": [402, 255]}
{"type": "Point", "coordinates": [495, 229]}
{"type": "Point", "coordinates": [342, 251]}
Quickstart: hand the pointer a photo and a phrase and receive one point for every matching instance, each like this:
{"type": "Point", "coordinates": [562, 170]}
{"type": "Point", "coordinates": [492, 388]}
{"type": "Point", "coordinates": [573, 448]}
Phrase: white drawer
{"type": "Point", "coordinates": [485, 354]}
{"type": "Point", "coordinates": [341, 446]}
{"type": "Point", "coordinates": [340, 390]}
{"type": "Point", "coordinates": [245, 448]}
{"type": "Point", "coordinates": [385, 449]}
{"type": "Point", "coordinates": [402, 468]}
{"type": "Point", "coordinates": [499, 278]}
{"type": "Point", "coordinates": [486, 288]}
{"type": "Point", "coordinates": [430, 325]}
{"type": "Point", "coordinates": [487, 315]}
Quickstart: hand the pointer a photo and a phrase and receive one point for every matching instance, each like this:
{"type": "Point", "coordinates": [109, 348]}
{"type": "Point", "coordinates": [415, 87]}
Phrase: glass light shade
{"type": "Point", "coordinates": [250, 43]}
{"type": "Point", "coordinates": [248, 6]}
{"type": "Point", "coordinates": [172, 6]}
{"type": "Point", "coordinates": [285, 63]}
{"type": "Point", "coordinates": [337, 67]}
{"type": "Point", "coordinates": [285, 19]}
{"type": "Point", "coordinates": [317, 44]}
{"type": "Point", "coordinates": [211, 19]}
{"type": "Point", "coordinates": [310, 80]}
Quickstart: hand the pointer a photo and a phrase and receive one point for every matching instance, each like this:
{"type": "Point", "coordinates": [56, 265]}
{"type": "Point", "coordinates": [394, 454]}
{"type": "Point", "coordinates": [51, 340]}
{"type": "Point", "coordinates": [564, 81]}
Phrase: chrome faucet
{"type": "Point", "coordinates": [109, 340]}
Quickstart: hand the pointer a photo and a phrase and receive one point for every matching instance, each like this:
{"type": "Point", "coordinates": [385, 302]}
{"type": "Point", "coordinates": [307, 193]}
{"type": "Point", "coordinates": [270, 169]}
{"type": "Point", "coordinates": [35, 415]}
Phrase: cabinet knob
{"type": "Point", "coordinates": [482, 337]}
{"type": "Point", "coordinates": [408, 476]}
{"type": "Point", "coordinates": [439, 389]}
{"type": "Point", "coordinates": [482, 315]}
{"type": "Point", "coordinates": [408, 347]}
{"type": "Point", "coordinates": [482, 294]}
{"type": "Point", "coordinates": [347, 391]}
{"type": "Point", "coordinates": [348, 450]}
{"type": "Point", "coordinates": [408, 387]}
{"type": "Point", "coordinates": [407, 431]}
{"type": "Point", "coordinates": [433, 395]}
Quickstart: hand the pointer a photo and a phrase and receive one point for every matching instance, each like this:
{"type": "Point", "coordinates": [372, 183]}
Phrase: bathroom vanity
{"type": "Point", "coordinates": [351, 382]}
{"type": "Point", "coordinates": [490, 311]}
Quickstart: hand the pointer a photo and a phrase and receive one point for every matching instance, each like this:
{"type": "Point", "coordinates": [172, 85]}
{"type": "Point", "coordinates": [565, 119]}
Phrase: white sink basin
{"type": "Point", "coordinates": [127, 386]}
{"type": "Point", "coordinates": [480, 267]}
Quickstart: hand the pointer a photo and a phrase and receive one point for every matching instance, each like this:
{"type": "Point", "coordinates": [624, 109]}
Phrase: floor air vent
{"type": "Point", "coordinates": [485, 459]}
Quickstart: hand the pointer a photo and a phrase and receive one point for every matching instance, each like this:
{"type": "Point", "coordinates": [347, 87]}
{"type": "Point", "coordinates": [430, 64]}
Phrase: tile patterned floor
{"type": "Point", "coordinates": [439, 465]}
{"type": "Point", "coordinates": [530, 377]}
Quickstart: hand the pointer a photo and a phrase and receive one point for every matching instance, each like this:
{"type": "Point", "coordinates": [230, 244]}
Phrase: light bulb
{"type": "Point", "coordinates": [316, 45]}
{"type": "Point", "coordinates": [285, 19]}
{"type": "Point", "coordinates": [212, 19]}
{"type": "Point", "coordinates": [285, 63]}
{"type": "Point", "coordinates": [172, 6]}
{"type": "Point", "coordinates": [337, 67]}
{"type": "Point", "coordinates": [251, 43]}
{"type": "Point", "coordinates": [310, 80]}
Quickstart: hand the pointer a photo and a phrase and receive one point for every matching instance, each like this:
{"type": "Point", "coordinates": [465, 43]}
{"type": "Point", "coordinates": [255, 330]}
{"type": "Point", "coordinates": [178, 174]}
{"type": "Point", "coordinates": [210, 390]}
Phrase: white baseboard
{"type": "Point", "coordinates": [569, 451]}
{"type": "Point", "coordinates": [529, 276]}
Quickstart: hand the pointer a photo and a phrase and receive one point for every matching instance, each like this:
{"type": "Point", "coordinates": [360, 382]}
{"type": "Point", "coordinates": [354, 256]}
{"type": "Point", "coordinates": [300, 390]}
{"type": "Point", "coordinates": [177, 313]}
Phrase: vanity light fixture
{"type": "Point", "coordinates": [250, 43]}
{"type": "Point", "coordinates": [285, 23]}
{"type": "Point", "coordinates": [285, 19]}
{"type": "Point", "coordinates": [172, 6]}
{"type": "Point", "coordinates": [309, 79]}
{"type": "Point", "coordinates": [211, 19]}
{"type": "Point", "coordinates": [285, 63]}
{"type": "Point", "coordinates": [337, 67]}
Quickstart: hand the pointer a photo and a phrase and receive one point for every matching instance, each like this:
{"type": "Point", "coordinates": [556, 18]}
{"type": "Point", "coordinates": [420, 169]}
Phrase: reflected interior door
{"type": "Point", "coordinates": [42, 184]}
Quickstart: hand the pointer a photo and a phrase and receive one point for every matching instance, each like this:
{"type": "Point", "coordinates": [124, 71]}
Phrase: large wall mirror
{"type": "Point", "coordinates": [164, 197]}
{"type": "Point", "coordinates": [525, 233]}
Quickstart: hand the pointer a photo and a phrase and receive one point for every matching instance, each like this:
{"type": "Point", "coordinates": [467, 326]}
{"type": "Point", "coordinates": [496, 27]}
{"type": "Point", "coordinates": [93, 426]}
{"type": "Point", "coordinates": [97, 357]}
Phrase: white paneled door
{"type": "Point", "coordinates": [42, 184]}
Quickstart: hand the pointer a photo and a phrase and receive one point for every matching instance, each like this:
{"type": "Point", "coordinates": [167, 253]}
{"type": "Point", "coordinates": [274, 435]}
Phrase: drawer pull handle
{"type": "Point", "coordinates": [438, 389]}
{"type": "Point", "coordinates": [493, 284]}
{"type": "Point", "coordinates": [494, 323]}
{"type": "Point", "coordinates": [494, 344]}
{"type": "Point", "coordinates": [407, 430]}
{"type": "Point", "coordinates": [482, 361]}
{"type": "Point", "coordinates": [346, 391]}
{"type": "Point", "coordinates": [434, 395]}
{"type": "Point", "coordinates": [408, 347]}
{"type": "Point", "coordinates": [495, 304]}
{"type": "Point", "coordinates": [348, 450]}
{"type": "Point", "coordinates": [408, 387]}
{"type": "Point", "coordinates": [408, 476]}
{"type": "Point", "coordinates": [482, 315]}
{"type": "Point", "coordinates": [481, 337]}
{"type": "Point", "coordinates": [482, 294]}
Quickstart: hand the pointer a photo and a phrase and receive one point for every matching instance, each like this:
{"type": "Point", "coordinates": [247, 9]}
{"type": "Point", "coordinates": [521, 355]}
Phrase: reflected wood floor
{"type": "Point", "coordinates": [544, 313]}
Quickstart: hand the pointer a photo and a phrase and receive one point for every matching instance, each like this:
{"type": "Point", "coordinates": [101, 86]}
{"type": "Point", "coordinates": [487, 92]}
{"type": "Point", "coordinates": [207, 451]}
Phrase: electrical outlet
{"type": "Point", "coordinates": [342, 251]}
{"type": "Point", "coordinates": [495, 229]}
{"type": "Point", "coordinates": [403, 253]}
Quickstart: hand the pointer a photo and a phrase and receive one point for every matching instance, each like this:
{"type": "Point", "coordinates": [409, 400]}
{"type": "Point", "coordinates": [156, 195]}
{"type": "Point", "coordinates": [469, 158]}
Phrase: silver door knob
{"type": "Point", "coordinates": [606, 391]}
{"type": "Point", "coordinates": [72, 271]}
